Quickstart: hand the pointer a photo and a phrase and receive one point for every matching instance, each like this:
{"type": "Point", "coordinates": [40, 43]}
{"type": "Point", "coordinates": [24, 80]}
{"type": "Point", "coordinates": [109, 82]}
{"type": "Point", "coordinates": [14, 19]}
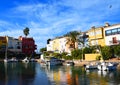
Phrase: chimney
{"type": "Point", "coordinates": [107, 24]}
{"type": "Point", "coordinates": [93, 27]}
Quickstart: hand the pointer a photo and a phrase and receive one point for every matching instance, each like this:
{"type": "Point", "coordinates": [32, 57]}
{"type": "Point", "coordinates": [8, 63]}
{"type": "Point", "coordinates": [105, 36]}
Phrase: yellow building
{"type": "Point", "coordinates": [3, 42]}
{"type": "Point", "coordinates": [56, 45]}
{"type": "Point", "coordinates": [96, 36]}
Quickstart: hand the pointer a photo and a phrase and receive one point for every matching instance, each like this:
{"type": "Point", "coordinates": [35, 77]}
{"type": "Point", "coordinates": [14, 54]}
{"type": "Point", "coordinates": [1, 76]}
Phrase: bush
{"type": "Point", "coordinates": [77, 54]}
{"type": "Point", "coordinates": [98, 57]}
{"type": "Point", "coordinates": [117, 51]}
{"type": "Point", "coordinates": [106, 53]}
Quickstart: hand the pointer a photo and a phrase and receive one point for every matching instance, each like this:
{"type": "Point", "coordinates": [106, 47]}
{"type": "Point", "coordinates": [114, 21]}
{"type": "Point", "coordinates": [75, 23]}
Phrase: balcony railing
{"type": "Point", "coordinates": [114, 42]}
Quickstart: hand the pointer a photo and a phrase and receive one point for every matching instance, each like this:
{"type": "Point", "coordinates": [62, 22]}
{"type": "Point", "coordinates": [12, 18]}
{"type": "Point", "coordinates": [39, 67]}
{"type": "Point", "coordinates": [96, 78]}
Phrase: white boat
{"type": "Point", "coordinates": [70, 63]}
{"type": "Point", "coordinates": [25, 60]}
{"type": "Point", "coordinates": [90, 66]}
{"type": "Point", "coordinates": [6, 60]}
{"type": "Point", "coordinates": [13, 60]}
{"type": "Point", "coordinates": [54, 61]}
{"type": "Point", "coordinates": [104, 66]}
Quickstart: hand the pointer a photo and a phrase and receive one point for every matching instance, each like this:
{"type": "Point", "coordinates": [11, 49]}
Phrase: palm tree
{"type": "Point", "coordinates": [72, 39]}
{"type": "Point", "coordinates": [26, 31]}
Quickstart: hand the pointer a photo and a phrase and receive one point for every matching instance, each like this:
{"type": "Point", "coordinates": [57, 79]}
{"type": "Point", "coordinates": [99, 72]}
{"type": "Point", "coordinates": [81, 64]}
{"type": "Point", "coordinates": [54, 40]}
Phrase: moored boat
{"type": "Point", "coordinates": [107, 66]}
{"type": "Point", "coordinates": [25, 60]}
{"type": "Point", "coordinates": [90, 66]}
{"type": "Point", "coordinates": [54, 61]}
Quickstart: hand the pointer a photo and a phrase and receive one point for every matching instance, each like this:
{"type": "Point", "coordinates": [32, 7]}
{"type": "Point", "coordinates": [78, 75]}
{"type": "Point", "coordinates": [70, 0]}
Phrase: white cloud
{"type": "Point", "coordinates": [53, 19]}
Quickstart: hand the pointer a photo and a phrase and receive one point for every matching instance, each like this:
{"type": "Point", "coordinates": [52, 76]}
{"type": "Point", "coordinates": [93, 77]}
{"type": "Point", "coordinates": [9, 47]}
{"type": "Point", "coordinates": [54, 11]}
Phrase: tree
{"type": "Point", "coordinates": [77, 54]}
{"type": "Point", "coordinates": [106, 53]}
{"type": "Point", "coordinates": [72, 38]}
{"type": "Point", "coordinates": [26, 31]}
{"type": "Point", "coordinates": [43, 49]}
{"type": "Point", "coordinates": [117, 51]}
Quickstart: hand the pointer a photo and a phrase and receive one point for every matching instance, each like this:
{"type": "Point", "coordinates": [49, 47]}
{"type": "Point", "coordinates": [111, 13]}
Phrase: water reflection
{"type": "Point", "coordinates": [78, 76]}
{"type": "Point", "coordinates": [16, 74]}
{"type": "Point", "coordinates": [36, 74]}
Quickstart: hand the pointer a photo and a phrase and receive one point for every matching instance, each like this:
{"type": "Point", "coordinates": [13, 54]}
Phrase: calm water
{"type": "Point", "coordinates": [36, 74]}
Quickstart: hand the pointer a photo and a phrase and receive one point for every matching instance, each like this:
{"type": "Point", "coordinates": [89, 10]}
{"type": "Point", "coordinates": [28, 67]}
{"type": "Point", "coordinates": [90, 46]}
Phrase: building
{"type": "Point", "coordinates": [59, 45]}
{"type": "Point", "coordinates": [14, 45]}
{"type": "Point", "coordinates": [3, 42]}
{"type": "Point", "coordinates": [96, 36]}
{"type": "Point", "coordinates": [28, 45]}
{"type": "Point", "coordinates": [49, 45]}
{"type": "Point", "coordinates": [83, 37]}
{"type": "Point", "coordinates": [112, 34]}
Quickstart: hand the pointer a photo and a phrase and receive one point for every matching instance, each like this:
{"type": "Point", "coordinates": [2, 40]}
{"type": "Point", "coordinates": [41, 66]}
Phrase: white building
{"type": "Point", "coordinates": [14, 45]}
{"type": "Point", "coordinates": [112, 34]}
{"type": "Point", "coordinates": [50, 46]}
{"type": "Point", "coordinates": [62, 45]}
{"type": "Point", "coordinates": [59, 44]}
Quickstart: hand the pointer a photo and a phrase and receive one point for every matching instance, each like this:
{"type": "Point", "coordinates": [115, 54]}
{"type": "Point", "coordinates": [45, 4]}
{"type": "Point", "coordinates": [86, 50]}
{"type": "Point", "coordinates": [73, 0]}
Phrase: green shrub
{"type": "Point", "coordinates": [98, 57]}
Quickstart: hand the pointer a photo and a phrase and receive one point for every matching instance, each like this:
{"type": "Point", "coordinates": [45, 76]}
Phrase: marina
{"type": "Point", "coordinates": [33, 73]}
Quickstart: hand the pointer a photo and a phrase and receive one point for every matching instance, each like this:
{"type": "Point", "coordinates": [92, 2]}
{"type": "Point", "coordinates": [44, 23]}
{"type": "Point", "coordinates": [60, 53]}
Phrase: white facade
{"type": "Point", "coordinates": [62, 47]}
{"type": "Point", "coordinates": [112, 35]}
{"type": "Point", "coordinates": [50, 46]}
{"type": "Point", "coordinates": [14, 45]}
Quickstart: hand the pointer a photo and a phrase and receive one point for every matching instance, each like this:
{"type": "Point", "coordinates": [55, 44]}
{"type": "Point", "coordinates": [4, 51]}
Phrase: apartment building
{"type": "Point", "coordinates": [96, 36]}
{"type": "Point", "coordinates": [59, 45]}
{"type": "Point", "coordinates": [3, 42]}
{"type": "Point", "coordinates": [14, 45]}
{"type": "Point", "coordinates": [112, 34]}
{"type": "Point", "coordinates": [28, 45]}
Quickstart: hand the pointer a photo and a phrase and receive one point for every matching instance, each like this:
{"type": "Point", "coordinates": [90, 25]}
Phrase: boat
{"type": "Point", "coordinates": [54, 61]}
{"type": "Point", "coordinates": [25, 60]}
{"type": "Point", "coordinates": [32, 60]}
{"type": "Point", "coordinates": [90, 66]}
{"type": "Point", "coordinates": [107, 66]}
{"type": "Point", "coordinates": [13, 60]}
{"type": "Point", "coordinates": [70, 63]}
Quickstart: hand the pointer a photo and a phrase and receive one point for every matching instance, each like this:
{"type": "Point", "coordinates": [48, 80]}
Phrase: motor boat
{"type": "Point", "coordinates": [70, 63]}
{"type": "Point", "coordinates": [13, 60]}
{"type": "Point", "coordinates": [25, 60]}
{"type": "Point", "coordinates": [107, 66]}
{"type": "Point", "coordinates": [54, 61]}
{"type": "Point", "coordinates": [90, 66]}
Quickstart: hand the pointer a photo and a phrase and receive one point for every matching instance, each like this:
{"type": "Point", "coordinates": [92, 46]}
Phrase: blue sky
{"type": "Point", "coordinates": [51, 18]}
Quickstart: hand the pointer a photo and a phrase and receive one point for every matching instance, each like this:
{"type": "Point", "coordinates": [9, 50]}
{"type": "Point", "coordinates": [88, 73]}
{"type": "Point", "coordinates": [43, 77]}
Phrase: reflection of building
{"type": "Point", "coordinates": [96, 36]}
{"type": "Point", "coordinates": [28, 45]}
{"type": "Point", "coordinates": [112, 34]}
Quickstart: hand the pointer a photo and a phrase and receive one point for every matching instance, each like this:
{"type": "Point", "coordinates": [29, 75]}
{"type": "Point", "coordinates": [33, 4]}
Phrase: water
{"type": "Point", "coordinates": [36, 74]}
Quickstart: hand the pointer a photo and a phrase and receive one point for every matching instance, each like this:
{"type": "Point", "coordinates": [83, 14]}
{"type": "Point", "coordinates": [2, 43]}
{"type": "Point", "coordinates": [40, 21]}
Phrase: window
{"type": "Point", "coordinates": [114, 31]}
{"type": "Point", "coordinates": [118, 30]}
{"type": "Point", "coordinates": [108, 32]}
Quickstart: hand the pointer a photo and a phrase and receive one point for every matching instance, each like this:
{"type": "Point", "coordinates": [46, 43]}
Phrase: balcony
{"type": "Point", "coordinates": [116, 42]}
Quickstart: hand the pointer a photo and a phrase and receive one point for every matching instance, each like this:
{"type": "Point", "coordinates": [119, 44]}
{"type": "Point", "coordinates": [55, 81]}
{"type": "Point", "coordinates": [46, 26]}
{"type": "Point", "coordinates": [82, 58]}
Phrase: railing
{"type": "Point", "coordinates": [114, 42]}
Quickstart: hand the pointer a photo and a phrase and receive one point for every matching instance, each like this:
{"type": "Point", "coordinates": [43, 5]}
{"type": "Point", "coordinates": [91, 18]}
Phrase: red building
{"type": "Point", "coordinates": [28, 45]}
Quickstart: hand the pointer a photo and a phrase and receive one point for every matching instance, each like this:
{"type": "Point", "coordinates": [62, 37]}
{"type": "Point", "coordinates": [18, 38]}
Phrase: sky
{"type": "Point", "coordinates": [52, 18]}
